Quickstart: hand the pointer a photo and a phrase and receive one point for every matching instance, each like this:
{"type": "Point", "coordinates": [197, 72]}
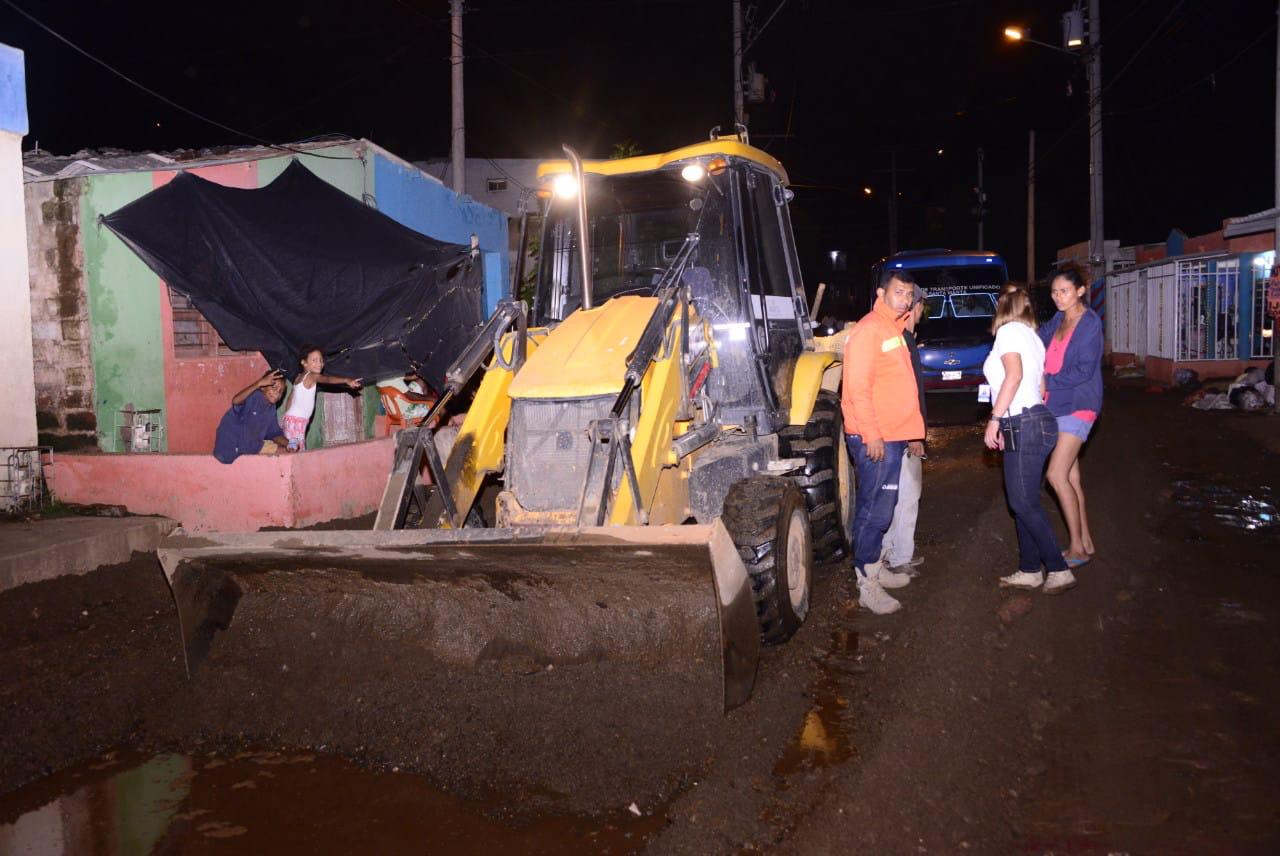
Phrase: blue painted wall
{"type": "Point", "coordinates": [13, 91]}
{"type": "Point", "coordinates": [420, 202]}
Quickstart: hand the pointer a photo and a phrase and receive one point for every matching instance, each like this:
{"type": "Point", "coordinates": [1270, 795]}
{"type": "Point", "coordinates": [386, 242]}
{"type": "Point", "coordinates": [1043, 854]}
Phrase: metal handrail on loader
{"type": "Point", "coordinates": [593, 506]}
{"type": "Point", "coordinates": [415, 444]}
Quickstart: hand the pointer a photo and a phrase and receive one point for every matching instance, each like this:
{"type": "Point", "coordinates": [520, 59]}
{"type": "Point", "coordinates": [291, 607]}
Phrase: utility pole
{"type": "Point", "coordinates": [982, 199]}
{"type": "Point", "coordinates": [1031, 207]}
{"type": "Point", "coordinates": [737, 63]}
{"type": "Point", "coordinates": [893, 202]}
{"type": "Point", "coordinates": [1275, 322]}
{"type": "Point", "coordinates": [458, 143]}
{"type": "Point", "coordinates": [893, 171]}
{"type": "Point", "coordinates": [1097, 233]}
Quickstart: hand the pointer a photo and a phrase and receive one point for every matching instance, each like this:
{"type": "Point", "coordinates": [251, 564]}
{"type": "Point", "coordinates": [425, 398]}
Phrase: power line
{"type": "Point", "coordinates": [169, 101]}
{"type": "Point", "coordinates": [1267, 33]}
{"type": "Point", "coordinates": [1107, 88]}
{"type": "Point", "coordinates": [755, 37]}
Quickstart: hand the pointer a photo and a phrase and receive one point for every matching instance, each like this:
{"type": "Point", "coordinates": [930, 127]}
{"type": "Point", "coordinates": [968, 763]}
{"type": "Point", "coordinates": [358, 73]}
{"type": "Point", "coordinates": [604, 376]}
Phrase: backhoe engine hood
{"type": "Point", "coordinates": [586, 354]}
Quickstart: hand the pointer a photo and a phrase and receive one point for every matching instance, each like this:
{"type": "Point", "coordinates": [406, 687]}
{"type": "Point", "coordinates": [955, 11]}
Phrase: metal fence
{"type": "Point", "coordinates": [1181, 309]}
{"type": "Point", "coordinates": [1208, 309]}
{"type": "Point", "coordinates": [22, 484]}
{"type": "Point", "coordinates": [1262, 342]}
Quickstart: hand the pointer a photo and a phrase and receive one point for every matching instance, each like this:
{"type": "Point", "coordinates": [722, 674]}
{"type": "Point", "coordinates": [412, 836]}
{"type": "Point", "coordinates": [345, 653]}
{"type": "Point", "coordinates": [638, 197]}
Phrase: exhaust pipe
{"type": "Point", "coordinates": [584, 242]}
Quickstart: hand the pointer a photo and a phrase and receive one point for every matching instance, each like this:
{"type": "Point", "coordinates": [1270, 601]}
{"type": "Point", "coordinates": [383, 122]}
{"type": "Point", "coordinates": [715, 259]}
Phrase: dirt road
{"type": "Point", "coordinates": [1136, 713]}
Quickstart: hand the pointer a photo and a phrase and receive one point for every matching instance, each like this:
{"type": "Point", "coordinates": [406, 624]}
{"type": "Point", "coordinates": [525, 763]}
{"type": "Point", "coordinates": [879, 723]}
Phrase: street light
{"type": "Point", "coordinates": [1073, 28]}
{"type": "Point", "coordinates": [1018, 34]}
{"type": "Point", "coordinates": [1073, 36]}
{"type": "Point", "coordinates": [866, 191]}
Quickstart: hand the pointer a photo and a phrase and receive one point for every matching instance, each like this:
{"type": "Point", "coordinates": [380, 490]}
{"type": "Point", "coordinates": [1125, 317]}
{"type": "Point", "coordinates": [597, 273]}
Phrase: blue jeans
{"type": "Point", "coordinates": [877, 496]}
{"type": "Point", "coordinates": [1023, 475]}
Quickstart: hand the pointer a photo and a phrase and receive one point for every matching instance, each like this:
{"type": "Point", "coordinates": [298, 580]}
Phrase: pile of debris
{"type": "Point", "coordinates": [1252, 390]}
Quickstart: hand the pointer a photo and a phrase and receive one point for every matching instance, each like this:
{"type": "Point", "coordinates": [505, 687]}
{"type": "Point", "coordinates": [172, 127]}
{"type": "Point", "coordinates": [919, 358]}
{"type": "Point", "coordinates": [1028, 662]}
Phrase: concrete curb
{"type": "Point", "coordinates": [46, 549]}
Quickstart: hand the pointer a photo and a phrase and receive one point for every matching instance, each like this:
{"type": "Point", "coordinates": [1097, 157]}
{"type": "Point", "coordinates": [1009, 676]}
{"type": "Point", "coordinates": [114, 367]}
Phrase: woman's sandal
{"type": "Point", "coordinates": [1076, 563]}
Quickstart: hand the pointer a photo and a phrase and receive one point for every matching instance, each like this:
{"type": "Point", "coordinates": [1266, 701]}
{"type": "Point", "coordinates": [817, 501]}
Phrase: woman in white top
{"type": "Point", "coordinates": [1024, 428]}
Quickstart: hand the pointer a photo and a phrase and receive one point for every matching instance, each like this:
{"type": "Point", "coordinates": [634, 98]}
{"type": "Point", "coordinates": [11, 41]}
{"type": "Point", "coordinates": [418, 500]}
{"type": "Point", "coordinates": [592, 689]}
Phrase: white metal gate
{"type": "Point", "coordinates": [1162, 303]}
{"type": "Point", "coordinates": [1208, 309]}
{"type": "Point", "coordinates": [1262, 341]}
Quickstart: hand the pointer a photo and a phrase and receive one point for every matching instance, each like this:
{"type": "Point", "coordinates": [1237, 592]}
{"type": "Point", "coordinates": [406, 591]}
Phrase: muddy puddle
{"type": "Point", "coordinates": [276, 802]}
{"type": "Point", "coordinates": [1249, 510]}
{"type": "Point", "coordinates": [825, 737]}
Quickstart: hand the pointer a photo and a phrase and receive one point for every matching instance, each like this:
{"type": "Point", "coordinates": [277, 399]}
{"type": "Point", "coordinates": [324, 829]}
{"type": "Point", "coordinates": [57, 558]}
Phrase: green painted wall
{"type": "Point", "coordinates": [124, 309]}
{"type": "Point", "coordinates": [369, 404]}
{"type": "Point", "coordinates": [347, 174]}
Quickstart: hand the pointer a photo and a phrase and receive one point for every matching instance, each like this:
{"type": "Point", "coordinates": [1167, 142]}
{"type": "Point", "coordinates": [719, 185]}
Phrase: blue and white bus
{"type": "Point", "coordinates": [961, 288]}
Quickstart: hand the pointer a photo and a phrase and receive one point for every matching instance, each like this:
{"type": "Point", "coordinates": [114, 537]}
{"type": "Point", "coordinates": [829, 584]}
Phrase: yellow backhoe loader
{"type": "Point", "coordinates": [650, 466]}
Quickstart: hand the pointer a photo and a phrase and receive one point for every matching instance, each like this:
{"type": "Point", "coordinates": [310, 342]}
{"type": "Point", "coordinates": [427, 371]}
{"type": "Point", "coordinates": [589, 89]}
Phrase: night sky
{"type": "Point", "coordinates": [1188, 128]}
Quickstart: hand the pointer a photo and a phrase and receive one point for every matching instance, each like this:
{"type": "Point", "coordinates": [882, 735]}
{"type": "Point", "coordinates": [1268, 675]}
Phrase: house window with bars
{"type": "Point", "coordinates": [193, 335]}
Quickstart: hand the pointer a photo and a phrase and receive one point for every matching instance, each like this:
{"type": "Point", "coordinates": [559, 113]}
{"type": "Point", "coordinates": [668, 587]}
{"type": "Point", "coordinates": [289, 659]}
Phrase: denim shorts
{"type": "Point", "coordinates": [1075, 426]}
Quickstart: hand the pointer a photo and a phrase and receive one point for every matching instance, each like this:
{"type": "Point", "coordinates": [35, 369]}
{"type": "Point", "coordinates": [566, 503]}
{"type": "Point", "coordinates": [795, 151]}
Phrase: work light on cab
{"type": "Point", "coordinates": [565, 185]}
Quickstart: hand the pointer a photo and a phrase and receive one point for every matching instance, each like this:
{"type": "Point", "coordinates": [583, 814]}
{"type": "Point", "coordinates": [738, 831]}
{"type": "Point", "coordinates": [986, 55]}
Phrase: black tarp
{"type": "Point", "coordinates": [300, 262]}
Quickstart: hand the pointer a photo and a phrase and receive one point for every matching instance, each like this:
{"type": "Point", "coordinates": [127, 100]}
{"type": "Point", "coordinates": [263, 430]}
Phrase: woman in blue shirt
{"type": "Point", "coordinates": [1073, 393]}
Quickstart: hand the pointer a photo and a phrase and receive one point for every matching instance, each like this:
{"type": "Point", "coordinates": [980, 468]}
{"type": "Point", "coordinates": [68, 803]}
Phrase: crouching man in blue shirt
{"type": "Point", "coordinates": [250, 427]}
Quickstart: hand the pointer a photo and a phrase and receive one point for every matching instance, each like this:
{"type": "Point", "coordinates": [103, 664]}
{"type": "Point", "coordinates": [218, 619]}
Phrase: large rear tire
{"type": "Point", "coordinates": [768, 521]}
{"type": "Point", "coordinates": [825, 478]}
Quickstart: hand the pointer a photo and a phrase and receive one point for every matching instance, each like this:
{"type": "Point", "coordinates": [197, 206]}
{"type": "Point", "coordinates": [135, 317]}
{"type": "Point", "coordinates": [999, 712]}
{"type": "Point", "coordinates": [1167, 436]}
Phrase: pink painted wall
{"type": "Point", "coordinates": [340, 481]}
{"type": "Point", "coordinates": [198, 391]}
{"type": "Point", "coordinates": [204, 495]}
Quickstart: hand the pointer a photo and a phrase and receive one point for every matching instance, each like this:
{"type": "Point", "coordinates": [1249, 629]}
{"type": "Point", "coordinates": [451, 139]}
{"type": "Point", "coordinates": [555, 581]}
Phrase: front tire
{"type": "Point", "coordinates": [768, 521]}
{"type": "Point", "coordinates": [825, 481]}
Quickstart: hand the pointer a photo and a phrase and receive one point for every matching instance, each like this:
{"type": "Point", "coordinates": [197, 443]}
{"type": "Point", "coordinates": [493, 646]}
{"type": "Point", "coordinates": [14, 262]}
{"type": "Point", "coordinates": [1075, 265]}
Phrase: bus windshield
{"type": "Point", "coordinates": [954, 317]}
{"type": "Point", "coordinates": [961, 289]}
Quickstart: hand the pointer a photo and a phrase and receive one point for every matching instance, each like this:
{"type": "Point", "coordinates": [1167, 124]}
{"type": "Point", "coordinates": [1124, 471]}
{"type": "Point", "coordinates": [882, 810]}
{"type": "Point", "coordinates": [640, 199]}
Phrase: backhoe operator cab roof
{"type": "Point", "coordinates": [699, 153]}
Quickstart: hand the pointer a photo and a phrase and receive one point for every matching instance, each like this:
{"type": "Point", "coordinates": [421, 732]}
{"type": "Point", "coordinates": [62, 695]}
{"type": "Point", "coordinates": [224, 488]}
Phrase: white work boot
{"type": "Point", "coordinates": [872, 596]}
{"type": "Point", "coordinates": [1059, 581]}
{"type": "Point", "coordinates": [887, 578]}
{"type": "Point", "coordinates": [1022, 580]}
{"type": "Point", "coordinates": [911, 569]}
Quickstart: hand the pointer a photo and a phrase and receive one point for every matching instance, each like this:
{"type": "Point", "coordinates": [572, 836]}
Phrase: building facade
{"type": "Point", "coordinates": [1196, 302]}
{"type": "Point", "coordinates": [114, 347]}
{"type": "Point", "coordinates": [17, 394]}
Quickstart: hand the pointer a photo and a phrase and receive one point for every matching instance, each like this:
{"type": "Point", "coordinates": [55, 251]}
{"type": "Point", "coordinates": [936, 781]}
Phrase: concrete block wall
{"type": "Point", "coordinates": [60, 329]}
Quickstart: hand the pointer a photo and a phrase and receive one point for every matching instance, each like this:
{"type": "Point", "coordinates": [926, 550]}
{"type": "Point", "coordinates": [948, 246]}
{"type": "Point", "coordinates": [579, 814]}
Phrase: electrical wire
{"type": "Point", "coordinates": [1266, 34]}
{"type": "Point", "coordinates": [169, 101]}
{"type": "Point", "coordinates": [1075, 123]}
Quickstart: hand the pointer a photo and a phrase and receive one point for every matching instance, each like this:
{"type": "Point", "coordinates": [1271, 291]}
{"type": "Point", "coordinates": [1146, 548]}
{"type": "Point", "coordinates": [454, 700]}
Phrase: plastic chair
{"type": "Point", "coordinates": [393, 402]}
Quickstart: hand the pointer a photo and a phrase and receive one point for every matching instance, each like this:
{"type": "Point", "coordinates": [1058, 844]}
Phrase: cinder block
{"type": "Point", "coordinates": [82, 420]}
{"type": "Point", "coordinates": [46, 330]}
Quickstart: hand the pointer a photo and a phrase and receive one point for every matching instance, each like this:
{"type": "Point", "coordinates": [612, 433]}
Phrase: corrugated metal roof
{"type": "Point", "coordinates": [43, 166]}
{"type": "Point", "coordinates": [1262, 221]}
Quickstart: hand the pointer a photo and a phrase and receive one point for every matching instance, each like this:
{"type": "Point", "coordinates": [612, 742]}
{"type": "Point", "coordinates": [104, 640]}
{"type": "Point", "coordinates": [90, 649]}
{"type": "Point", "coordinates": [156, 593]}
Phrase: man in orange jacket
{"type": "Point", "coordinates": [881, 408]}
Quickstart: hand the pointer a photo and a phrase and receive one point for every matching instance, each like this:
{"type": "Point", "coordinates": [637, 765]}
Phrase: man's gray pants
{"type": "Point", "coordinates": [900, 540]}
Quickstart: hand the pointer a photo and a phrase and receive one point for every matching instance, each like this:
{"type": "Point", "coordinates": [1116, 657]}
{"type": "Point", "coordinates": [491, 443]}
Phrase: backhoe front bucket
{"type": "Point", "coordinates": [658, 596]}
